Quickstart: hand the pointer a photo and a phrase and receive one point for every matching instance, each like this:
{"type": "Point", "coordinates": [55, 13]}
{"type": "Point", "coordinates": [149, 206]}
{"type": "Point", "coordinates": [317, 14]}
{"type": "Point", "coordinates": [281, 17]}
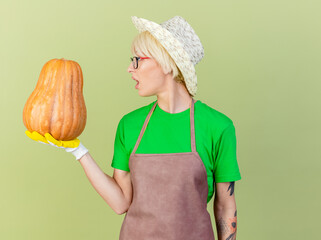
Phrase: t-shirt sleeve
{"type": "Point", "coordinates": [226, 168]}
{"type": "Point", "coordinates": [121, 156]}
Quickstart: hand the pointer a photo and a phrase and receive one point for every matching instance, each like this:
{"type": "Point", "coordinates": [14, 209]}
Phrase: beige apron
{"type": "Point", "coordinates": [169, 195]}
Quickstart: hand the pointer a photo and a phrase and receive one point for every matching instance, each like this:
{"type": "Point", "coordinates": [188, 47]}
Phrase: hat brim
{"type": "Point", "coordinates": [174, 49]}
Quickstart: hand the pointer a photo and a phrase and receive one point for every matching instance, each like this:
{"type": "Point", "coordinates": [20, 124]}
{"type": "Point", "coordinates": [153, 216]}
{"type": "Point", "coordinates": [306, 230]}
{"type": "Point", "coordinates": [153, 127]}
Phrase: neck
{"type": "Point", "coordinates": [176, 99]}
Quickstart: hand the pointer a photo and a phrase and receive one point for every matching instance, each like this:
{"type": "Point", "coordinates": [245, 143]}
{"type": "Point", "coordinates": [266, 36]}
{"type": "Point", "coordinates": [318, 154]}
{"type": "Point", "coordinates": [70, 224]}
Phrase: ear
{"type": "Point", "coordinates": [168, 71]}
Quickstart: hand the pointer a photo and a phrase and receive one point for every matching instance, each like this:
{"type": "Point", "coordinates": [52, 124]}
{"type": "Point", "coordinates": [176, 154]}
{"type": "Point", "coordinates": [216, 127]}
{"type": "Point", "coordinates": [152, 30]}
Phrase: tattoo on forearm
{"type": "Point", "coordinates": [224, 228]}
{"type": "Point", "coordinates": [232, 236]}
{"type": "Point", "coordinates": [231, 187]}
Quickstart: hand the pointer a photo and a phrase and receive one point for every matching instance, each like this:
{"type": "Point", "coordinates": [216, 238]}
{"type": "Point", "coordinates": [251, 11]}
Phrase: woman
{"type": "Point", "coordinates": [171, 155]}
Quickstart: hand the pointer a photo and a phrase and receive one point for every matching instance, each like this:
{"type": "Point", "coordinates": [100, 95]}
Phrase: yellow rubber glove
{"type": "Point", "coordinates": [36, 136]}
{"type": "Point", "coordinates": [45, 139]}
{"type": "Point", "coordinates": [73, 146]}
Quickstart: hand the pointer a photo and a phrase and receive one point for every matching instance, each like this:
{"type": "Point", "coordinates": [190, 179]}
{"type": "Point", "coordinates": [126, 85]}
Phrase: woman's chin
{"type": "Point", "coordinates": [145, 94]}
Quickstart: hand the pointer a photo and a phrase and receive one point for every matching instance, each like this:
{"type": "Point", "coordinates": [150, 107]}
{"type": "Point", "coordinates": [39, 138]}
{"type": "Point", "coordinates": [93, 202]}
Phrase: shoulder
{"type": "Point", "coordinates": [210, 115]}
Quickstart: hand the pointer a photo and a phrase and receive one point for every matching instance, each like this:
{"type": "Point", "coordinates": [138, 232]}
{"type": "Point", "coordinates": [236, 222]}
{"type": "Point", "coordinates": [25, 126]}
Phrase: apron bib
{"type": "Point", "coordinates": [169, 194]}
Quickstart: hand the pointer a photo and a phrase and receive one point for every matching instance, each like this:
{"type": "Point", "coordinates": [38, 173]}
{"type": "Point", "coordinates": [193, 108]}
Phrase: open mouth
{"type": "Point", "coordinates": [136, 81]}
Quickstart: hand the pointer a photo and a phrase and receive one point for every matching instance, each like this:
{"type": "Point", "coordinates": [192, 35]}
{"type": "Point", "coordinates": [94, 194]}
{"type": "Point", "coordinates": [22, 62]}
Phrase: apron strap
{"type": "Point", "coordinates": [143, 128]}
{"type": "Point", "coordinates": [192, 122]}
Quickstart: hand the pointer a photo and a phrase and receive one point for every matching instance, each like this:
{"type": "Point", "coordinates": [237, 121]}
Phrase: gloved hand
{"type": "Point", "coordinates": [73, 146]}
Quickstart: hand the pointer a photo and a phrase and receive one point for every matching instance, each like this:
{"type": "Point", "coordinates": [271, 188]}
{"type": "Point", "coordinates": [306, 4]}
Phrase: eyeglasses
{"type": "Point", "coordinates": [135, 61]}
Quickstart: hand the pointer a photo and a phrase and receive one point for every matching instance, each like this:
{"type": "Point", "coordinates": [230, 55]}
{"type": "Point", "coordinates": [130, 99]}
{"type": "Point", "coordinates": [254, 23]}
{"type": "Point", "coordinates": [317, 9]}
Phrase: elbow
{"type": "Point", "coordinates": [224, 204]}
{"type": "Point", "coordinates": [122, 210]}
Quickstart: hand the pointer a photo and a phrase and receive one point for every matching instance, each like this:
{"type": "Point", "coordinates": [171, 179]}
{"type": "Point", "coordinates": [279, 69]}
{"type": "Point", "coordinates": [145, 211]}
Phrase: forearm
{"type": "Point", "coordinates": [226, 219]}
{"type": "Point", "coordinates": [105, 185]}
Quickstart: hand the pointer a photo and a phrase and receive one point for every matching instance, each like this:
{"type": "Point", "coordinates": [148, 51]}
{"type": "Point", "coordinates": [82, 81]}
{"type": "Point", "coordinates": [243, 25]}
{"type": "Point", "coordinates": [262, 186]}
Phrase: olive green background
{"type": "Point", "coordinates": [261, 68]}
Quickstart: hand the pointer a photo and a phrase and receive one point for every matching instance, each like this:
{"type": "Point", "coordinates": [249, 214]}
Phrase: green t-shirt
{"type": "Point", "coordinates": [170, 133]}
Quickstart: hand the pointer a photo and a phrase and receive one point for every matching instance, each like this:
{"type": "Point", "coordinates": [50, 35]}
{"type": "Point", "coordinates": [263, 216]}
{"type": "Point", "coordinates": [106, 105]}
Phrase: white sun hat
{"type": "Point", "coordinates": [180, 41]}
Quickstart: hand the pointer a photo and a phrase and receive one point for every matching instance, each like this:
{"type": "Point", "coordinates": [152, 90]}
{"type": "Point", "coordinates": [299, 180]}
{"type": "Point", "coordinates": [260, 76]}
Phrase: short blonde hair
{"type": "Point", "coordinates": [147, 45]}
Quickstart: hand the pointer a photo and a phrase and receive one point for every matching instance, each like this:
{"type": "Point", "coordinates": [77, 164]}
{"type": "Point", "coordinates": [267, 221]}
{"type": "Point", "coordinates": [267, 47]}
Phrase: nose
{"type": "Point", "coordinates": [130, 68]}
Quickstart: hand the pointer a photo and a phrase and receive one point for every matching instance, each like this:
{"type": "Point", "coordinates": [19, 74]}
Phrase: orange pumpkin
{"type": "Point", "coordinates": [57, 105]}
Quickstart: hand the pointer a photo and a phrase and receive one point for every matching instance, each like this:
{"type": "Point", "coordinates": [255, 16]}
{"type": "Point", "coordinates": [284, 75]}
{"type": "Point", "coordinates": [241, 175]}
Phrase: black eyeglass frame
{"type": "Point", "coordinates": [137, 59]}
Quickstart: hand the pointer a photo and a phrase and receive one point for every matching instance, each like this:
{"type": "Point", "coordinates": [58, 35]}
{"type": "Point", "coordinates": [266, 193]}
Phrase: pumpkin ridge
{"type": "Point", "coordinates": [73, 105]}
{"type": "Point", "coordinates": [35, 110]}
{"type": "Point", "coordinates": [82, 101]}
{"type": "Point", "coordinates": [52, 110]}
{"type": "Point", "coordinates": [78, 109]}
{"type": "Point", "coordinates": [63, 82]}
{"type": "Point", "coordinates": [44, 102]}
{"type": "Point", "coordinates": [55, 114]}
{"type": "Point", "coordinates": [68, 99]}
{"type": "Point", "coordinates": [63, 98]}
{"type": "Point", "coordinates": [53, 106]}
{"type": "Point", "coordinates": [27, 109]}
{"type": "Point", "coordinates": [67, 134]}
